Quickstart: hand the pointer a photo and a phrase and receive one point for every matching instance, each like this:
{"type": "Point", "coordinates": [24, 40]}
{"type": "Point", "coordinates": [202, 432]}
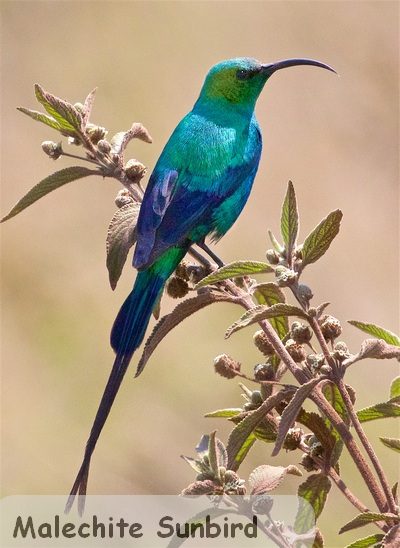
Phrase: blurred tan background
{"type": "Point", "coordinates": [336, 138]}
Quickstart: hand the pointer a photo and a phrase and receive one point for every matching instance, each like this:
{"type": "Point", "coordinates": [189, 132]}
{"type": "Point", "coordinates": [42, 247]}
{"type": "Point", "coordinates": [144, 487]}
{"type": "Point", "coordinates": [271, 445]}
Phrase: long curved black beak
{"type": "Point", "coordinates": [273, 67]}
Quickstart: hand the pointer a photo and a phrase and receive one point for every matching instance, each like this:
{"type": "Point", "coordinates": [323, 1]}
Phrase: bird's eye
{"type": "Point", "coordinates": [243, 74]}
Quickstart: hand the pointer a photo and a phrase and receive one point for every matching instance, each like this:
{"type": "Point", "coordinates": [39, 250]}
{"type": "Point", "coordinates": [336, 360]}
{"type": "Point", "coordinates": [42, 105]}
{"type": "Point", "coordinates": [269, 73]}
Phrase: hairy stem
{"type": "Point", "coordinates": [379, 497]}
{"type": "Point", "coordinates": [320, 400]}
{"type": "Point", "coordinates": [353, 416]}
{"type": "Point", "coordinates": [367, 446]}
{"type": "Point", "coordinates": [337, 480]}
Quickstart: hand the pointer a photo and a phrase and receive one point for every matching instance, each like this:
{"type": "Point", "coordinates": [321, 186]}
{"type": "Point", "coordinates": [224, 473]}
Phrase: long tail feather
{"type": "Point", "coordinates": [126, 336]}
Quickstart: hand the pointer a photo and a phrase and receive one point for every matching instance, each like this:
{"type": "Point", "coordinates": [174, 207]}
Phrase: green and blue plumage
{"type": "Point", "coordinates": [198, 188]}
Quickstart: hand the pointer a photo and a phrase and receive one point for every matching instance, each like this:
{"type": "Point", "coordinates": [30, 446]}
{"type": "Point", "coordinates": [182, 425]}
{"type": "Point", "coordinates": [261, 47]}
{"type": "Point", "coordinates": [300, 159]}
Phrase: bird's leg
{"type": "Point", "coordinates": [200, 258]}
{"type": "Point", "coordinates": [202, 244]}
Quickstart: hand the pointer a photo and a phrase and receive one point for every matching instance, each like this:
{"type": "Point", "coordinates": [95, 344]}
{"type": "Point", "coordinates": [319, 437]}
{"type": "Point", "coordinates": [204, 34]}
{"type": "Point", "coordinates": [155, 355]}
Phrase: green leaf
{"type": "Point", "coordinates": [368, 517]}
{"type": "Point", "coordinates": [121, 236]}
{"type": "Point", "coordinates": [196, 464]}
{"type": "Point", "coordinates": [40, 117]}
{"type": "Point", "coordinates": [224, 413]}
{"type": "Point", "coordinates": [265, 478]}
{"type": "Point", "coordinates": [312, 498]}
{"type": "Point", "coordinates": [50, 183]}
{"type": "Point", "coordinates": [290, 220]}
{"type": "Point", "coordinates": [275, 244]}
{"type": "Point", "coordinates": [291, 411]}
{"type": "Point", "coordinates": [243, 450]}
{"type": "Point", "coordinates": [379, 411]}
{"type": "Point", "coordinates": [170, 321]}
{"type": "Point", "coordinates": [318, 242]}
{"type": "Point", "coordinates": [365, 542]}
{"type": "Point", "coordinates": [314, 422]}
{"type": "Point", "coordinates": [234, 270]}
{"type": "Point", "coordinates": [377, 331]}
{"type": "Point", "coordinates": [266, 431]}
{"type": "Point", "coordinates": [66, 114]}
{"type": "Point", "coordinates": [392, 443]}
{"type": "Point", "coordinates": [212, 453]}
{"type": "Point", "coordinates": [270, 294]}
{"type": "Point", "coordinates": [259, 313]}
{"type": "Point", "coordinates": [395, 388]}
{"type": "Point", "coordinates": [242, 437]}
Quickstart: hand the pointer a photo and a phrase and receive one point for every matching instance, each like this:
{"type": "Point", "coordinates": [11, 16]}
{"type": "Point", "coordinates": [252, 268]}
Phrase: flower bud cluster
{"type": "Point", "coordinates": [261, 341]}
{"type": "Point", "coordinates": [123, 198]}
{"type": "Point", "coordinates": [296, 350]}
{"type": "Point", "coordinates": [293, 439]}
{"type": "Point", "coordinates": [177, 287]}
{"type": "Point", "coordinates": [285, 277]}
{"type": "Point", "coordinates": [330, 327]}
{"type": "Point", "coordinates": [300, 333]}
{"type": "Point", "coordinates": [53, 150]}
{"type": "Point", "coordinates": [226, 366]}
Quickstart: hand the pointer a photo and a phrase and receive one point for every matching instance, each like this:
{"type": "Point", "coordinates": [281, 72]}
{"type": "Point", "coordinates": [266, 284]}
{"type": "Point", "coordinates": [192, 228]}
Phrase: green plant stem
{"type": "Point", "coordinates": [367, 446]}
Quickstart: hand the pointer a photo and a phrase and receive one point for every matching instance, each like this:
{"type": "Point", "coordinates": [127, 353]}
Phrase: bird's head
{"type": "Point", "coordinates": [240, 81]}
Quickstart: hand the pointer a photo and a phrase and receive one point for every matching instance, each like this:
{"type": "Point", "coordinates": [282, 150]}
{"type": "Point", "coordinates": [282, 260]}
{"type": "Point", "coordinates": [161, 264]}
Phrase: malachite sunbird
{"type": "Point", "coordinates": [198, 188]}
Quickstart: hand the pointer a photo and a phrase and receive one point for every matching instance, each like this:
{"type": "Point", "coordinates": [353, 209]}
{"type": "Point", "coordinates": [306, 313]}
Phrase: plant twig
{"type": "Point", "coordinates": [367, 446]}
{"type": "Point", "coordinates": [320, 400]}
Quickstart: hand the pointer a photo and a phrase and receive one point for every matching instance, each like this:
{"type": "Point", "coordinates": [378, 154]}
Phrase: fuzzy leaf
{"type": "Point", "coordinates": [50, 183]}
{"type": "Point", "coordinates": [395, 388]}
{"type": "Point", "coordinates": [275, 244]}
{"type": "Point", "coordinates": [121, 236]}
{"type": "Point", "coordinates": [168, 322]}
{"type": "Point", "coordinates": [377, 331]}
{"type": "Point", "coordinates": [290, 219]}
{"type": "Point", "coordinates": [40, 117]}
{"type": "Point", "coordinates": [318, 242]}
{"type": "Point", "coordinates": [216, 453]}
{"type": "Point", "coordinates": [365, 542]}
{"type": "Point", "coordinates": [239, 437]}
{"type": "Point", "coordinates": [224, 413]}
{"type": "Point", "coordinates": [265, 478]}
{"type": "Point", "coordinates": [66, 114]}
{"type": "Point", "coordinates": [88, 105]}
{"type": "Point", "coordinates": [315, 492]}
{"type": "Point", "coordinates": [259, 313]}
{"type": "Point", "coordinates": [368, 517]}
{"type": "Point", "coordinates": [392, 443]}
{"type": "Point", "coordinates": [379, 411]}
{"type": "Point", "coordinates": [194, 463]}
{"type": "Point", "coordinates": [270, 294]}
{"type": "Point", "coordinates": [267, 430]}
{"type": "Point", "coordinates": [374, 348]}
{"type": "Point", "coordinates": [291, 411]}
{"type": "Point", "coordinates": [198, 488]}
{"type": "Point", "coordinates": [121, 139]}
{"type": "Point", "coordinates": [234, 270]}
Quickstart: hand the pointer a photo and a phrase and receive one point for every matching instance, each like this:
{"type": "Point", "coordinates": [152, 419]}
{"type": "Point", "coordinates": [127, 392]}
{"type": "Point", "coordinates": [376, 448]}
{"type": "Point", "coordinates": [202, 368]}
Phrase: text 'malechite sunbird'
{"type": "Point", "coordinates": [198, 188]}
